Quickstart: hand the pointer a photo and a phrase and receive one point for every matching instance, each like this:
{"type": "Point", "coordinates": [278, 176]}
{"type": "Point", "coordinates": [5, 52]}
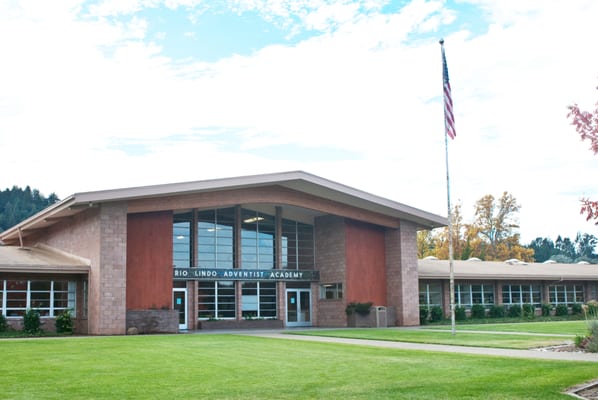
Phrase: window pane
{"type": "Point", "coordinates": [215, 238]}
{"type": "Point", "coordinates": [181, 240]}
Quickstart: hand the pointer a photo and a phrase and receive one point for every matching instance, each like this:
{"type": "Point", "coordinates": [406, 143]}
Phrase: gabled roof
{"type": "Point", "coordinates": [296, 180]}
{"type": "Point", "coordinates": [40, 259]}
{"type": "Point", "coordinates": [492, 270]}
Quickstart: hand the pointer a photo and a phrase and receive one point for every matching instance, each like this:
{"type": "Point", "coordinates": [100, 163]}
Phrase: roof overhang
{"type": "Point", "coordinates": [40, 259]}
{"type": "Point", "coordinates": [296, 180]}
{"type": "Point", "coordinates": [491, 270]}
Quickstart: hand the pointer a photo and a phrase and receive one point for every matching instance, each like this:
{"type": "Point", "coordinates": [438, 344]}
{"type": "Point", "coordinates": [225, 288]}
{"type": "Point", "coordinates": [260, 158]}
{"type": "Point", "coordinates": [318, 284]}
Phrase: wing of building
{"type": "Point", "coordinates": [283, 249]}
{"type": "Point", "coordinates": [506, 283]}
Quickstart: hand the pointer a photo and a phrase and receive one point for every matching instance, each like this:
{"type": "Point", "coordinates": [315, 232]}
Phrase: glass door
{"type": "Point", "coordinates": [298, 307]}
{"type": "Point", "coordinates": [179, 300]}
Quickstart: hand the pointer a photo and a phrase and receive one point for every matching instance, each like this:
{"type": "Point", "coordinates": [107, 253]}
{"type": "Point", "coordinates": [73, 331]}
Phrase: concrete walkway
{"type": "Point", "coordinates": [486, 351]}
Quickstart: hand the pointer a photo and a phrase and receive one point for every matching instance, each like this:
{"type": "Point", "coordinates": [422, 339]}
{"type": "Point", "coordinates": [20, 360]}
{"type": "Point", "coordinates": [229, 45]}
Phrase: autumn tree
{"type": "Point", "coordinates": [586, 125]}
{"type": "Point", "coordinates": [490, 237]}
{"type": "Point", "coordinates": [465, 238]}
{"type": "Point", "coordinates": [425, 244]}
{"type": "Point", "coordinates": [495, 222]}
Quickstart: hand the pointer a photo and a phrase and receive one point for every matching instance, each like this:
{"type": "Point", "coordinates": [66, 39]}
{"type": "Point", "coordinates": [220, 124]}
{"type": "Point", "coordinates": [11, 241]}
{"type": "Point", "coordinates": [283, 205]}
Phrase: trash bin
{"type": "Point", "coordinates": [381, 321]}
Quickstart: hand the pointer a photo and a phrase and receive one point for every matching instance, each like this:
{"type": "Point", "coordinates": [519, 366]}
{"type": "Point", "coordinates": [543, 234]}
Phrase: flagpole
{"type": "Point", "coordinates": [448, 129]}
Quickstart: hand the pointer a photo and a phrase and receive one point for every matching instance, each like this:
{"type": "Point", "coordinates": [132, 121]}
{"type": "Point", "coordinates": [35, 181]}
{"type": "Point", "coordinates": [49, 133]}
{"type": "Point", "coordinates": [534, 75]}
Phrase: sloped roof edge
{"type": "Point", "coordinates": [296, 180]}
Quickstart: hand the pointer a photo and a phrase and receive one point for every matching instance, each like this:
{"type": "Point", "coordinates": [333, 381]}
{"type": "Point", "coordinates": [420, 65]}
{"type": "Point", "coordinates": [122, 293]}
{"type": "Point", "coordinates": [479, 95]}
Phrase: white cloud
{"type": "Point", "coordinates": [72, 85]}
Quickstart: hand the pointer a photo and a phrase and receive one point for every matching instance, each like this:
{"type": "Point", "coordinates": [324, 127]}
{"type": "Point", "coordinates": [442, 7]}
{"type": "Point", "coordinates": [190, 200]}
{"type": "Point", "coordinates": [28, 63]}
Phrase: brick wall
{"type": "Point", "coordinates": [401, 273]}
{"type": "Point", "coordinates": [330, 261]}
{"type": "Point", "coordinates": [80, 235]}
{"type": "Point", "coordinates": [113, 272]}
{"type": "Point", "coordinates": [99, 235]}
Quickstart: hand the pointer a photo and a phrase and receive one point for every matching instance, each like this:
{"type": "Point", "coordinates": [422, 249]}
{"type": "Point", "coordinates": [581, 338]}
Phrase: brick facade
{"type": "Point", "coordinates": [112, 280]}
{"type": "Point", "coordinates": [401, 274]}
{"type": "Point", "coordinates": [330, 261]}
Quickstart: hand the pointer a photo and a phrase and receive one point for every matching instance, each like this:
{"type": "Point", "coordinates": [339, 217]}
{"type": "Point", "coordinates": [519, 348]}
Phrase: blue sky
{"type": "Point", "coordinates": [105, 94]}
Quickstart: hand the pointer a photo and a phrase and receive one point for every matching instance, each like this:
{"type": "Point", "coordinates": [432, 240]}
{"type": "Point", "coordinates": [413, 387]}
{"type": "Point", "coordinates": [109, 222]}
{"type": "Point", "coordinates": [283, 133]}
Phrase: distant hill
{"type": "Point", "coordinates": [17, 204]}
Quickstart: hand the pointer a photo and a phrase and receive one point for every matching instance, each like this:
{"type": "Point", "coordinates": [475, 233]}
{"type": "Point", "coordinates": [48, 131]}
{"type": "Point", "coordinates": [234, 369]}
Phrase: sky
{"type": "Point", "coordinates": [118, 93]}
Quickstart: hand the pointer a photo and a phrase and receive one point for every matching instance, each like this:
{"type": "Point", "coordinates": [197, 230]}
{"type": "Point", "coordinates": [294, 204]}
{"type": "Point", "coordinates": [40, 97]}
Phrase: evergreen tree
{"type": "Point", "coordinates": [17, 204]}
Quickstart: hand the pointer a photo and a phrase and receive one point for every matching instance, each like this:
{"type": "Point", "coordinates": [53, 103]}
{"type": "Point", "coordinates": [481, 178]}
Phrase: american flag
{"type": "Point", "coordinates": [449, 118]}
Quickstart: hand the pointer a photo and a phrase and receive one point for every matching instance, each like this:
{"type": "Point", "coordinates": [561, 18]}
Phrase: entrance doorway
{"type": "Point", "coordinates": [298, 307]}
{"type": "Point", "coordinates": [179, 301]}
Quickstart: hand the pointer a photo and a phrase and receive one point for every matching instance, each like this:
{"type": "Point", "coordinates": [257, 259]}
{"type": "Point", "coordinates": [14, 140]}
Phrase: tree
{"type": "Point", "coordinates": [543, 249]}
{"type": "Point", "coordinates": [585, 244]}
{"type": "Point", "coordinates": [17, 204]}
{"type": "Point", "coordinates": [495, 221]}
{"type": "Point", "coordinates": [425, 244]}
{"type": "Point", "coordinates": [490, 237]}
{"type": "Point", "coordinates": [565, 247]}
{"type": "Point", "coordinates": [586, 125]}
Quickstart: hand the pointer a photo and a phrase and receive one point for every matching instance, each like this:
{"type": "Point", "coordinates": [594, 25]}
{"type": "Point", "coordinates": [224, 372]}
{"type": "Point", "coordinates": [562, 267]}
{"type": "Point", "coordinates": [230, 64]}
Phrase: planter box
{"type": "Point", "coordinates": [378, 317]}
{"type": "Point", "coordinates": [153, 321]}
{"type": "Point", "coordinates": [356, 320]}
{"type": "Point", "coordinates": [242, 324]}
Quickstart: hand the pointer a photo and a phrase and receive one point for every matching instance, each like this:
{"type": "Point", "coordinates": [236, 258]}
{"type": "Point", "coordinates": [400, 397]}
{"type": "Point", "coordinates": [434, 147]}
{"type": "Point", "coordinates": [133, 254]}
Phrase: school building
{"type": "Point", "coordinates": [507, 283]}
{"type": "Point", "coordinates": [274, 250]}
{"type": "Point", "coordinates": [265, 251]}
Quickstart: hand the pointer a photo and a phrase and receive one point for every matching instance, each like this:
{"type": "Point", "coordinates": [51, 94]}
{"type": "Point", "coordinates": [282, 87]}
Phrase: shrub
{"type": "Point", "coordinates": [460, 314]}
{"type": "Point", "coordinates": [580, 341]}
{"type": "Point", "coordinates": [478, 311]}
{"type": "Point", "coordinates": [590, 310]}
{"type": "Point", "coordinates": [423, 315]}
{"type": "Point", "coordinates": [496, 311]}
{"type": "Point", "coordinates": [561, 309]}
{"type": "Point", "coordinates": [64, 322]}
{"type": "Point", "coordinates": [515, 311]}
{"type": "Point", "coordinates": [436, 314]}
{"type": "Point", "coordinates": [3, 323]}
{"type": "Point", "coordinates": [546, 309]}
{"type": "Point", "coordinates": [31, 322]}
{"type": "Point", "coordinates": [528, 311]}
{"type": "Point", "coordinates": [591, 344]}
{"type": "Point", "coordinates": [576, 309]}
{"type": "Point", "coordinates": [359, 308]}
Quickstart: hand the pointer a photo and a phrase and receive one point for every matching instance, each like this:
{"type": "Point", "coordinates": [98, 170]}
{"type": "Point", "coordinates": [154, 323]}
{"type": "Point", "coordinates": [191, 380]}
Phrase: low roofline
{"type": "Point", "coordinates": [295, 180]}
{"type": "Point", "coordinates": [496, 270]}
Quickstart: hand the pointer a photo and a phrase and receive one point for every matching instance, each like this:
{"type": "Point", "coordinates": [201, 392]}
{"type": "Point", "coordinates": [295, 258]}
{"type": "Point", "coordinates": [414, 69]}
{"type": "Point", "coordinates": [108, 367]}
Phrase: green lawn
{"type": "Point", "coordinates": [482, 339]}
{"type": "Point", "coordinates": [239, 367]}
{"type": "Point", "coordinates": [572, 328]}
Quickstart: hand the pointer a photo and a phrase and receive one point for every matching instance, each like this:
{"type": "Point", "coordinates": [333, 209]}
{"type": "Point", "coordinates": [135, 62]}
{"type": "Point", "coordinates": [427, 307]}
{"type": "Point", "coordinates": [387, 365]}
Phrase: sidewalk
{"type": "Point", "coordinates": [486, 351]}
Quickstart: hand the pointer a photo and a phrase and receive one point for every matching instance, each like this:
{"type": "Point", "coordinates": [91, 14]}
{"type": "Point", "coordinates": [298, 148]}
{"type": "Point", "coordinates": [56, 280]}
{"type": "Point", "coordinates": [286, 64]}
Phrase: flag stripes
{"type": "Point", "coordinates": [449, 118]}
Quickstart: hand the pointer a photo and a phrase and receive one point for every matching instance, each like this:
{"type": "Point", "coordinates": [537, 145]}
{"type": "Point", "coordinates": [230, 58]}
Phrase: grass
{"type": "Point", "coordinates": [240, 367]}
{"type": "Point", "coordinates": [499, 340]}
{"type": "Point", "coordinates": [572, 328]}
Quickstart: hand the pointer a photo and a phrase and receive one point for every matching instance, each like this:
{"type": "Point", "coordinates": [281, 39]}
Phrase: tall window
{"type": "Point", "coordinates": [257, 240]}
{"type": "Point", "coordinates": [50, 298]}
{"type": "Point", "coordinates": [468, 295]}
{"type": "Point", "coordinates": [215, 238]}
{"type": "Point", "coordinates": [181, 240]}
{"type": "Point", "coordinates": [297, 245]}
{"type": "Point", "coordinates": [258, 299]}
{"type": "Point", "coordinates": [566, 294]}
{"type": "Point", "coordinates": [430, 294]}
{"type": "Point", "coordinates": [522, 294]}
{"type": "Point", "coordinates": [216, 300]}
